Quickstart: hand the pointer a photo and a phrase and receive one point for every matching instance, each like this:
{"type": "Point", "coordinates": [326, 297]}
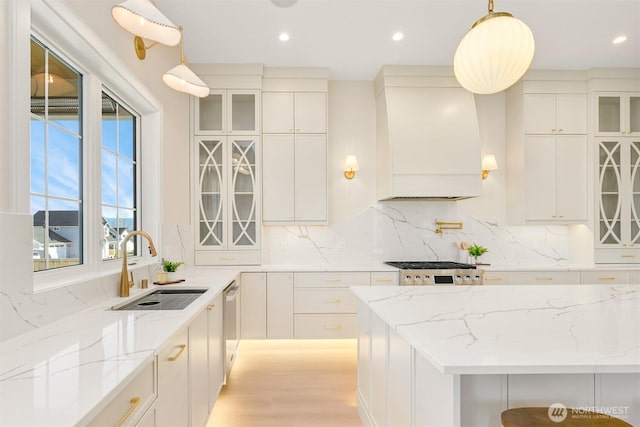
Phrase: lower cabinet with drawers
{"type": "Point", "coordinates": [304, 305]}
{"type": "Point", "coordinates": [562, 277]}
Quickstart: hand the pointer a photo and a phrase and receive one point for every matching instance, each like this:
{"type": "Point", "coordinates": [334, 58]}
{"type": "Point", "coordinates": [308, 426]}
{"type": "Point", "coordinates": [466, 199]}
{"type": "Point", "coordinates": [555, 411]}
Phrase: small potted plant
{"type": "Point", "coordinates": [169, 267]}
{"type": "Point", "coordinates": [476, 251]}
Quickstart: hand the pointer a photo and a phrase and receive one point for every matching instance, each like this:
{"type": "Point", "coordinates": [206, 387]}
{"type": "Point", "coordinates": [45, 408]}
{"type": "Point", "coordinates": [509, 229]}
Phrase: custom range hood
{"type": "Point", "coordinates": [428, 142]}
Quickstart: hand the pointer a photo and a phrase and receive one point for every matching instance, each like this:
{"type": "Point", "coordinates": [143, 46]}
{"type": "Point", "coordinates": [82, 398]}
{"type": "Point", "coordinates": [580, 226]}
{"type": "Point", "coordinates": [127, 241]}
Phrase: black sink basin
{"type": "Point", "coordinates": [163, 299]}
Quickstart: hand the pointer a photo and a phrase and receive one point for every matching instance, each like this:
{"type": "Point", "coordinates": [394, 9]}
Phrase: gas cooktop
{"type": "Point", "coordinates": [429, 265]}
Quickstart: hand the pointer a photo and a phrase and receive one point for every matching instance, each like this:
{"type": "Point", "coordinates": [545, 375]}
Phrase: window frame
{"type": "Point", "coordinates": [65, 34]}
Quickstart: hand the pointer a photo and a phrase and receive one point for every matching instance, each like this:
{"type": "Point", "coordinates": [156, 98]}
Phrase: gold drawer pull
{"type": "Point", "coordinates": [606, 278]}
{"type": "Point", "coordinates": [210, 307]}
{"type": "Point", "coordinates": [178, 354]}
{"type": "Point", "coordinates": [627, 256]}
{"type": "Point", "coordinates": [387, 280]}
{"type": "Point", "coordinates": [334, 301]}
{"type": "Point", "coordinates": [333, 280]}
{"type": "Point", "coordinates": [135, 401]}
{"type": "Point", "coordinates": [333, 327]}
{"type": "Point", "coordinates": [545, 279]}
{"type": "Point", "coordinates": [227, 258]}
{"type": "Point", "coordinates": [493, 279]}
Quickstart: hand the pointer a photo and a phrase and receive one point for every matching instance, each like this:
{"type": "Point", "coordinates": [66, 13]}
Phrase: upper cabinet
{"type": "Point", "coordinates": [550, 113]}
{"type": "Point", "coordinates": [284, 112]}
{"type": "Point", "coordinates": [547, 152]}
{"type": "Point", "coordinates": [228, 112]}
{"type": "Point", "coordinates": [294, 153]}
{"type": "Point", "coordinates": [618, 113]}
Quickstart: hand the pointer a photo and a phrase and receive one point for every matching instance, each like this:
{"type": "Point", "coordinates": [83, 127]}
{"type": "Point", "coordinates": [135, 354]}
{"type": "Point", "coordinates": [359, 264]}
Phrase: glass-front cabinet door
{"type": "Point", "coordinates": [243, 184]}
{"type": "Point", "coordinates": [619, 192]}
{"type": "Point", "coordinates": [211, 180]}
{"type": "Point", "coordinates": [243, 113]}
{"type": "Point", "coordinates": [210, 114]}
{"type": "Point", "coordinates": [618, 113]}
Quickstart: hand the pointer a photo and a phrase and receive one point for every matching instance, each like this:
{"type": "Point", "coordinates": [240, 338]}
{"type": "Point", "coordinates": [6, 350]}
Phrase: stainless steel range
{"type": "Point", "coordinates": [438, 273]}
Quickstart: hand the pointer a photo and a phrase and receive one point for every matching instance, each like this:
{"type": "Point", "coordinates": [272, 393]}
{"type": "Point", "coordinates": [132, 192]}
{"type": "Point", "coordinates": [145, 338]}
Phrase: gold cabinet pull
{"type": "Point", "coordinates": [627, 256]}
{"type": "Point", "coordinates": [544, 279]}
{"type": "Point", "coordinates": [134, 402]}
{"type": "Point", "coordinates": [227, 258]}
{"type": "Point", "coordinates": [211, 307]}
{"type": "Point", "coordinates": [178, 354]}
{"type": "Point", "coordinates": [492, 279]}
{"type": "Point", "coordinates": [333, 327]}
{"type": "Point", "coordinates": [336, 280]}
{"type": "Point", "coordinates": [606, 278]}
{"type": "Point", "coordinates": [387, 280]}
{"type": "Point", "coordinates": [334, 301]}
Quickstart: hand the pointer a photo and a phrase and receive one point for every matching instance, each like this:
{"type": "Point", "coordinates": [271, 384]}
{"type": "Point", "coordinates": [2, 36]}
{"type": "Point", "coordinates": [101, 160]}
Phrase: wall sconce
{"type": "Point", "coordinates": [182, 79]}
{"type": "Point", "coordinates": [351, 166]}
{"type": "Point", "coordinates": [145, 21]}
{"type": "Point", "coordinates": [488, 164]}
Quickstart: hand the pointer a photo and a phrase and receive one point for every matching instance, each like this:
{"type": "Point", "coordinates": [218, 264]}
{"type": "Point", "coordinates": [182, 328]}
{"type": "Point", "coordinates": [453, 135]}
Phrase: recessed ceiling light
{"type": "Point", "coordinates": [284, 37]}
{"type": "Point", "coordinates": [619, 39]}
{"type": "Point", "coordinates": [397, 36]}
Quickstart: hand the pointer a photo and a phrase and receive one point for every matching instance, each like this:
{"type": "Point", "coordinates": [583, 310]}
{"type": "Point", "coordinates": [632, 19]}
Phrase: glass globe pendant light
{"type": "Point", "coordinates": [494, 54]}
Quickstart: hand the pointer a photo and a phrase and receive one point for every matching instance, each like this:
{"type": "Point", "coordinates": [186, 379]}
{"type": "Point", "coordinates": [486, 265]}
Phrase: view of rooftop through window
{"type": "Point", "coordinates": [56, 160]}
{"type": "Point", "coordinates": [118, 177]}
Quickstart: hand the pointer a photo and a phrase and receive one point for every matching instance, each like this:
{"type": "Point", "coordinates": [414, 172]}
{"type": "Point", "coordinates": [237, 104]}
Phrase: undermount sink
{"type": "Point", "coordinates": [163, 299]}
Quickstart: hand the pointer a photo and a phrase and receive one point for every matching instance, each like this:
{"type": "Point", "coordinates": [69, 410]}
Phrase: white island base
{"type": "Point", "coordinates": [459, 356]}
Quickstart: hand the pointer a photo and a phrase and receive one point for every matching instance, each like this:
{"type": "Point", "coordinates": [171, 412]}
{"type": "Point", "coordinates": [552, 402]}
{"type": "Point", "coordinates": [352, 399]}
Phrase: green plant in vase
{"type": "Point", "coordinates": [476, 251]}
{"type": "Point", "coordinates": [170, 266]}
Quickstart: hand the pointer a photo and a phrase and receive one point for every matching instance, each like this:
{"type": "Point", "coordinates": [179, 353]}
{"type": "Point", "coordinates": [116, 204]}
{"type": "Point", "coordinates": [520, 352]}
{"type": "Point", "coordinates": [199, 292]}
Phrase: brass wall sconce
{"type": "Point", "coordinates": [488, 164]}
{"type": "Point", "coordinates": [448, 225]}
{"type": "Point", "coordinates": [351, 166]}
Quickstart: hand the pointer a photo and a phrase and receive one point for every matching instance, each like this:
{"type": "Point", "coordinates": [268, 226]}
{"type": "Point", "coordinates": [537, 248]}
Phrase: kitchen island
{"type": "Point", "coordinates": [460, 355]}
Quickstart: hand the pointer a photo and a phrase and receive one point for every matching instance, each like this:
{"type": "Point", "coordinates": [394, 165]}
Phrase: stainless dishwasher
{"type": "Point", "coordinates": [231, 295]}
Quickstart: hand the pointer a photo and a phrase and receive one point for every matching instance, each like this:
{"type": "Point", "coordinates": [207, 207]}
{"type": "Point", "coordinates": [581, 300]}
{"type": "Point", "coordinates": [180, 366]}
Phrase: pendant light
{"type": "Point", "coordinates": [494, 54]}
{"type": "Point", "coordinates": [142, 19]}
{"type": "Point", "coordinates": [182, 79]}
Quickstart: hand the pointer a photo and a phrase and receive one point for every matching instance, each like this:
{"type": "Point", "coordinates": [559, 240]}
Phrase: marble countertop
{"type": "Point", "coordinates": [64, 373]}
{"type": "Point", "coordinates": [516, 329]}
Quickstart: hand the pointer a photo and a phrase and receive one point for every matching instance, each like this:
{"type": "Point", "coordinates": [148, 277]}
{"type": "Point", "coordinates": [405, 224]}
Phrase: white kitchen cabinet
{"type": "Point", "coordinates": [634, 277]}
{"type": "Point", "coordinates": [279, 305]}
{"type": "Point", "coordinates": [226, 202]}
{"type": "Point", "coordinates": [294, 112]}
{"type": "Point", "coordinates": [378, 404]}
{"type": "Point", "coordinates": [617, 113]}
{"type": "Point", "coordinates": [551, 113]}
{"type": "Point", "coordinates": [385, 278]}
{"type": "Point", "coordinates": [607, 277]}
{"type": "Point", "coordinates": [294, 179]}
{"type": "Point", "coordinates": [547, 152]}
{"type": "Point", "coordinates": [215, 346]}
{"type": "Point", "coordinates": [399, 380]}
{"type": "Point", "coordinates": [618, 200]}
{"type": "Point", "coordinates": [253, 323]}
{"type": "Point", "coordinates": [363, 393]}
{"type": "Point", "coordinates": [494, 278]}
{"type": "Point", "coordinates": [555, 178]}
{"type": "Point", "coordinates": [227, 112]}
{"type": "Point", "coordinates": [324, 307]}
{"type": "Point", "coordinates": [542, 277]}
{"type": "Point", "coordinates": [294, 159]}
{"type": "Point", "coordinates": [131, 405]}
{"type": "Point", "coordinates": [173, 381]}
{"type": "Point", "coordinates": [199, 369]}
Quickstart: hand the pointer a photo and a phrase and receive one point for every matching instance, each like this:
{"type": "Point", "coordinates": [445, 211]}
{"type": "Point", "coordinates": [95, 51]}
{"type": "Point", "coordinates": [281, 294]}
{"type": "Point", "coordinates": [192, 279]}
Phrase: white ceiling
{"type": "Point", "coordinates": [353, 37]}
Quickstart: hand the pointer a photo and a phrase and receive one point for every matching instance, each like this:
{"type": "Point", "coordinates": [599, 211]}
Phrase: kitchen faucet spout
{"type": "Point", "coordinates": [125, 283]}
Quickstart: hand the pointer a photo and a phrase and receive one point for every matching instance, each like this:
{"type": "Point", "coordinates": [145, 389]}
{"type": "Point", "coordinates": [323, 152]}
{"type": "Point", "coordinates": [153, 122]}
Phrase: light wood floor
{"type": "Point", "coordinates": [290, 383]}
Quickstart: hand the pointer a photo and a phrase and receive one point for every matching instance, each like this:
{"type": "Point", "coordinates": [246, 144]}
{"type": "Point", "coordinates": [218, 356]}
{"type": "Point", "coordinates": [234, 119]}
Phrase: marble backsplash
{"type": "Point", "coordinates": [397, 230]}
{"type": "Point", "coordinates": [384, 231]}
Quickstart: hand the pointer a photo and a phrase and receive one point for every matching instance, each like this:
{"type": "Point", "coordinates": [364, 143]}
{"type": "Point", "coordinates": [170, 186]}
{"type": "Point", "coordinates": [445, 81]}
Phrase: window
{"type": "Point", "coordinates": [56, 161]}
{"type": "Point", "coordinates": [119, 136]}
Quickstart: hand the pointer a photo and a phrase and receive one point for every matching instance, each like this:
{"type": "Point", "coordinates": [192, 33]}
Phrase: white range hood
{"type": "Point", "coordinates": [428, 142]}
